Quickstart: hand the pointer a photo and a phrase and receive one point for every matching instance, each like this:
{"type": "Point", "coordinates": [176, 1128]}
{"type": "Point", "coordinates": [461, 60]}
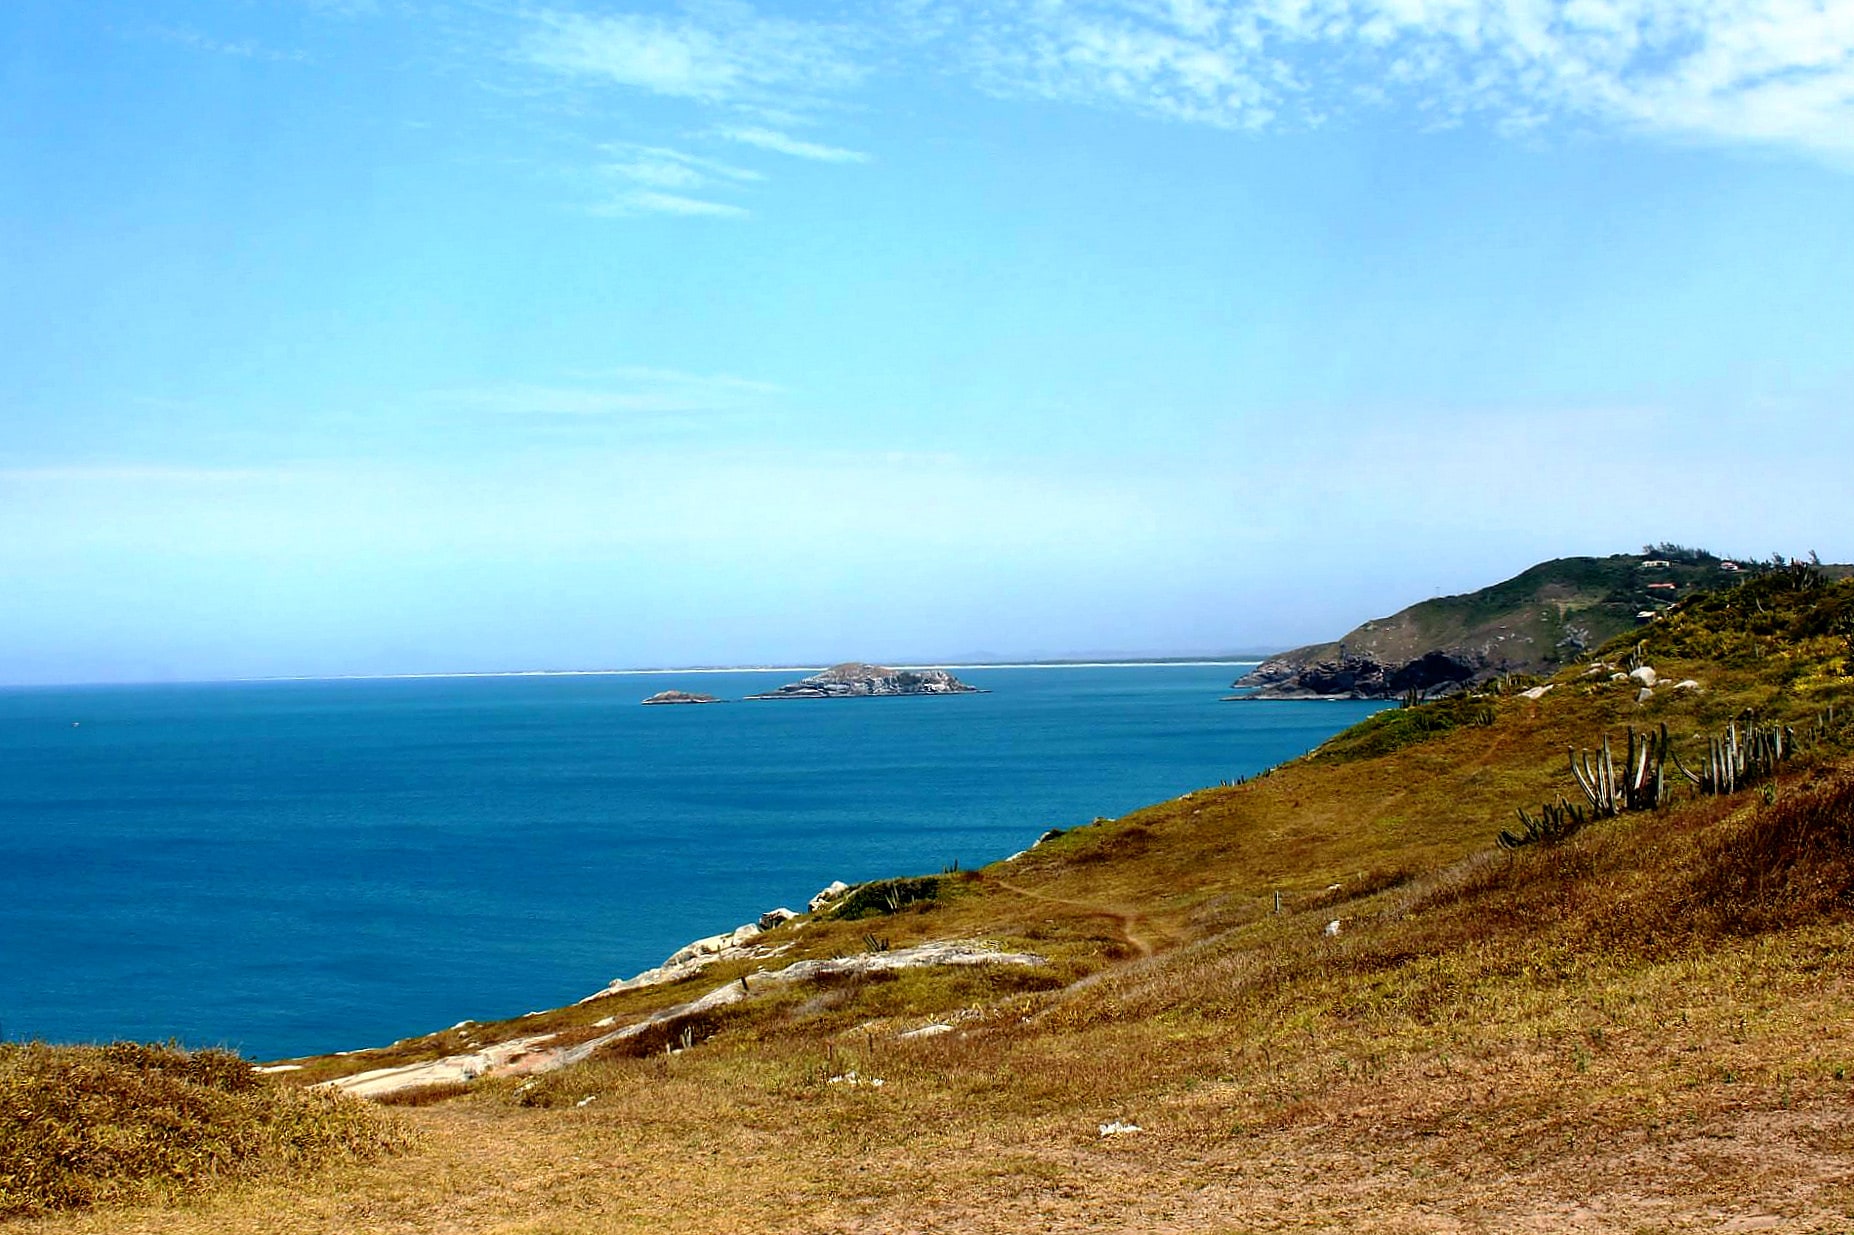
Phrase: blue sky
{"type": "Point", "coordinates": [352, 336]}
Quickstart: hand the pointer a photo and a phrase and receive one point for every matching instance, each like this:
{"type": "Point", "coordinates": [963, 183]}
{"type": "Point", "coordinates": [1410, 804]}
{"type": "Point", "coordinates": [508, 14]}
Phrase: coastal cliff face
{"type": "Point", "coordinates": [1533, 623]}
{"type": "Point", "coordinates": [852, 680]}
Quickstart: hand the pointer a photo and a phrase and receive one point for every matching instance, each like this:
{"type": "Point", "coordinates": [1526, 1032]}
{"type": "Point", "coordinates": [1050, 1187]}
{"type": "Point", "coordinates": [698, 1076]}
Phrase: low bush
{"type": "Point", "coordinates": [886, 896]}
{"type": "Point", "coordinates": [81, 1125]}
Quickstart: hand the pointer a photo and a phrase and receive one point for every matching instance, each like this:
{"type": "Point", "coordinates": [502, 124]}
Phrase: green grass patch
{"type": "Point", "coordinates": [886, 896]}
{"type": "Point", "coordinates": [1396, 728]}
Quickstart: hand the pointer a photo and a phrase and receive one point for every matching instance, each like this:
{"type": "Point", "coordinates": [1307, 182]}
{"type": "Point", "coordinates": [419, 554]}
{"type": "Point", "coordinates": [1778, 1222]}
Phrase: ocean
{"type": "Point", "coordinates": [308, 866]}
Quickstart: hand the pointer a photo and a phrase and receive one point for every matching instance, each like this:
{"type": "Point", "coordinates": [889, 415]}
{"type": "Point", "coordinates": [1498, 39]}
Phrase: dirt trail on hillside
{"type": "Point", "coordinates": [1126, 920]}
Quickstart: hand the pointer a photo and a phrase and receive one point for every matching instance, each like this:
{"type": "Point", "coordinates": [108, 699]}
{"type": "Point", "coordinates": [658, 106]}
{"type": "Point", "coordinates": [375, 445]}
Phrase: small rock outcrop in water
{"type": "Point", "coordinates": [853, 680]}
{"type": "Point", "coordinates": [680, 696]}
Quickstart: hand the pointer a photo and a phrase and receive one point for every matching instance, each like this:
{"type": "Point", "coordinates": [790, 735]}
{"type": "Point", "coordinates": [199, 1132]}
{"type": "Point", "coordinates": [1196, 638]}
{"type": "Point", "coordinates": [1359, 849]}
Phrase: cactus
{"type": "Point", "coordinates": [1734, 760]}
{"type": "Point", "coordinates": [1597, 779]}
{"type": "Point", "coordinates": [1554, 823]}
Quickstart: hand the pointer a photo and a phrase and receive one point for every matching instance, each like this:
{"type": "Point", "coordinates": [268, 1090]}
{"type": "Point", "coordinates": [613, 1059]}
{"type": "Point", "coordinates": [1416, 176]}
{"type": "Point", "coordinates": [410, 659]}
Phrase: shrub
{"type": "Point", "coordinates": [81, 1125]}
{"type": "Point", "coordinates": [886, 896]}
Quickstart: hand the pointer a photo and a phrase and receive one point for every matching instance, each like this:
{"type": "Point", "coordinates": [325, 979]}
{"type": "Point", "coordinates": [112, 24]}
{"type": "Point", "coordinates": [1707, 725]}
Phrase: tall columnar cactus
{"type": "Point", "coordinates": [1643, 783]}
{"type": "Point", "coordinates": [1597, 778]}
{"type": "Point", "coordinates": [1734, 760]}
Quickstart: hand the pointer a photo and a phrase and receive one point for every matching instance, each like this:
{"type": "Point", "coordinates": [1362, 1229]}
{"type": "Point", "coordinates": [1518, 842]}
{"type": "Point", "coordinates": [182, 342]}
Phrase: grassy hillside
{"type": "Point", "coordinates": [1536, 622]}
{"type": "Point", "coordinates": [1649, 1026]}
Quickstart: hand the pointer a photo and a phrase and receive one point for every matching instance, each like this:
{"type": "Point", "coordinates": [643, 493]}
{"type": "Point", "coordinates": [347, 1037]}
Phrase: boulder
{"type": "Point", "coordinates": [826, 895]}
{"type": "Point", "coordinates": [775, 917]}
{"type": "Point", "coordinates": [1644, 675]}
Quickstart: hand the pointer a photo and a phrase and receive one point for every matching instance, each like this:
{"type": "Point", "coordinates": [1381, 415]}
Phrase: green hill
{"type": "Point", "coordinates": [1532, 623]}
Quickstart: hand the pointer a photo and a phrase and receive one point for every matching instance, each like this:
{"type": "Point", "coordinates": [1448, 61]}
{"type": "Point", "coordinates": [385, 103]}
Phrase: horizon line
{"type": "Point", "coordinates": [1123, 663]}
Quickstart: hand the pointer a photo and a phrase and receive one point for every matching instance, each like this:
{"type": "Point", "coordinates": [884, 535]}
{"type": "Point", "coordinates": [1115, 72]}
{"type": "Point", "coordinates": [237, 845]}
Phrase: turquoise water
{"type": "Point", "coordinates": [297, 867]}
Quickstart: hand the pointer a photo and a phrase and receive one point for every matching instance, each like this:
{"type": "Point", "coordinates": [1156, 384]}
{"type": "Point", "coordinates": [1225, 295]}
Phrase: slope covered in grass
{"type": "Point", "coordinates": [1646, 1027]}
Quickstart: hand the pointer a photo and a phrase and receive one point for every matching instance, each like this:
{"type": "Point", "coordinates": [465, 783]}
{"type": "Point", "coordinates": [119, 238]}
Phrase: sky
{"type": "Point", "coordinates": [400, 336]}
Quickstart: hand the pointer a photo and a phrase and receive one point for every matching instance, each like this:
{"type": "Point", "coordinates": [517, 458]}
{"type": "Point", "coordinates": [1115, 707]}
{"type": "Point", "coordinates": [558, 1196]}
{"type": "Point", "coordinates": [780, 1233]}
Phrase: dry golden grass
{"type": "Point", "coordinates": [1648, 1028]}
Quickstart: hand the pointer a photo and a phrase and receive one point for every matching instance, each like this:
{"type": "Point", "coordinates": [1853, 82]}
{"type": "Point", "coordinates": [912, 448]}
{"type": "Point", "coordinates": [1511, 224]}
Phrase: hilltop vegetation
{"type": "Point", "coordinates": [1534, 623]}
{"type": "Point", "coordinates": [1643, 1026]}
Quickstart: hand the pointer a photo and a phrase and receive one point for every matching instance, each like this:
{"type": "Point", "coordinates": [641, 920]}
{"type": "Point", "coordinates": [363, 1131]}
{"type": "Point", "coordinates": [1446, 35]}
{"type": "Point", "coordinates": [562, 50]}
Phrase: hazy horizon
{"type": "Point", "coordinates": [356, 337]}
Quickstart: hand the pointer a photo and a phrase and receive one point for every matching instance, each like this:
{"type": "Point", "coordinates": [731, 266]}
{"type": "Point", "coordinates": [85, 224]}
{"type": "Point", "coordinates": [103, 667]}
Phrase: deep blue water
{"type": "Point", "coordinates": [293, 867]}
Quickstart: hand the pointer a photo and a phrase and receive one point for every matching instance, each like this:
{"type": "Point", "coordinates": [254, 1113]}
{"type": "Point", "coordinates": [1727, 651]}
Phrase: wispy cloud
{"type": "Point", "coordinates": [782, 143]}
{"type": "Point", "coordinates": [660, 179]}
{"type": "Point", "coordinates": [714, 54]}
{"type": "Point", "coordinates": [653, 201]}
{"type": "Point", "coordinates": [1777, 71]}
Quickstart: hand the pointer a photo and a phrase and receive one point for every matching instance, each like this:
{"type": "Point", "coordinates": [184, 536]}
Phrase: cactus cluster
{"type": "Point", "coordinates": [1643, 783]}
{"type": "Point", "coordinates": [1738, 757]}
{"type": "Point", "coordinates": [1553, 823]}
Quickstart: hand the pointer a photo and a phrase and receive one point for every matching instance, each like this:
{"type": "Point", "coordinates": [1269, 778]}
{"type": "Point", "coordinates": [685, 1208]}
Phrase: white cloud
{"type": "Point", "coordinates": [715, 53]}
{"type": "Point", "coordinates": [1777, 71]}
{"type": "Point", "coordinates": [782, 143]}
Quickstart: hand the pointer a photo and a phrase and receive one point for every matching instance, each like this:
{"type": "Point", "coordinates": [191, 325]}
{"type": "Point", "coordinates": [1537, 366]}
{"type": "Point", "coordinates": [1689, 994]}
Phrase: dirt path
{"type": "Point", "coordinates": [1126, 920]}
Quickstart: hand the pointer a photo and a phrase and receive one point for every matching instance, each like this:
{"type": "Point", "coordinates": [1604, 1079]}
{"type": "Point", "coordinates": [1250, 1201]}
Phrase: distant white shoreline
{"type": "Point", "coordinates": [605, 673]}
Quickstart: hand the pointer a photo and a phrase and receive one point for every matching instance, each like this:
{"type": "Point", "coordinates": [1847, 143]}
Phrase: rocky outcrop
{"type": "Point", "coordinates": [854, 680]}
{"type": "Point", "coordinates": [526, 1056]}
{"type": "Point", "coordinates": [1360, 677]}
{"type": "Point", "coordinates": [680, 696]}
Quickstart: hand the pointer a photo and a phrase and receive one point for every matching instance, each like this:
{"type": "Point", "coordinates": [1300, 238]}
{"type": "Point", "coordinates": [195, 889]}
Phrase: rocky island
{"type": "Point", "coordinates": [680, 696]}
{"type": "Point", "coordinates": [854, 680]}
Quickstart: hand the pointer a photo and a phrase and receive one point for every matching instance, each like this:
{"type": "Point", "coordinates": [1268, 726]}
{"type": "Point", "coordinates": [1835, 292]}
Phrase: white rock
{"type": "Point", "coordinates": [1332, 927]}
{"type": "Point", "coordinates": [1688, 684]}
{"type": "Point", "coordinates": [776, 917]}
{"type": "Point", "coordinates": [1618, 677]}
{"type": "Point", "coordinates": [1117, 1128]}
{"type": "Point", "coordinates": [1645, 675]}
{"type": "Point", "coordinates": [826, 895]}
{"type": "Point", "coordinates": [927, 1031]}
{"type": "Point", "coordinates": [1537, 692]}
{"type": "Point", "coordinates": [1644, 694]}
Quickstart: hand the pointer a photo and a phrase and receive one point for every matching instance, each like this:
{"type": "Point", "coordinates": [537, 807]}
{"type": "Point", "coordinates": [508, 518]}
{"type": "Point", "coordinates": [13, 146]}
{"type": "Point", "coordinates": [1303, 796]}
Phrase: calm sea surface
{"type": "Point", "coordinates": [298, 867]}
